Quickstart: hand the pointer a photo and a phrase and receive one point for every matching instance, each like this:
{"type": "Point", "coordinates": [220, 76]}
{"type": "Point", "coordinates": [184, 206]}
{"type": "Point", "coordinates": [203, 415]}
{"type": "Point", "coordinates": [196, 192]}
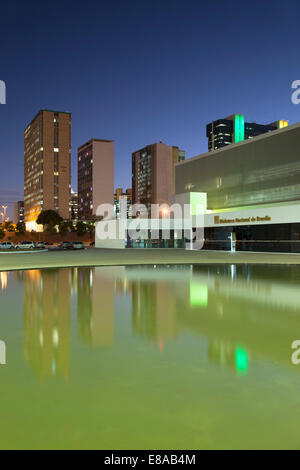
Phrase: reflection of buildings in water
{"type": "Point", "coordinates": [276, 285]}
{"type": "Point", "coordinates": [18, 276]}
{"type": "Point", "coordinates": [256, 306]}
{"type": "Point", "coordinates": [73, 281]}
{"type": "Point", "coordinates": [153, 299]}
{"type": "Point", "coordinates": [153, 310]}
{"type": "Point", "coordinates": [230, 305]}
{"type": "Point", "coordinates": [225, 354]}
{"type": "Point", "coordinates": [95, 307]}
{"type": "Point", "coordinates": [47, 321]}
{"type": "Point", "coordinates": [3, 280]}
{"type": "Point", "coordinates": [122, 286]}
{"type": "Point", "coordinates": [84, 307]}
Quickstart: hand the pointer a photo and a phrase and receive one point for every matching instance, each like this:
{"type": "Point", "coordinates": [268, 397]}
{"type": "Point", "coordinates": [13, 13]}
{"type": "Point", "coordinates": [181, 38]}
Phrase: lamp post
{"type": "Point", "coordinates": [3, 214]}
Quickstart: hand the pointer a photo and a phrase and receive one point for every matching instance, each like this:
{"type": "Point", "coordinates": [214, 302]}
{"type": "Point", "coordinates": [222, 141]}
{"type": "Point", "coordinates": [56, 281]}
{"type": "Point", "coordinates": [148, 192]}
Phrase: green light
{"type": "Point", "coordinates": [239, 128]}
{"type": "Point", "coordinates": [198, 202]}
{"type": "Point", "coordinates": [241, 360]}
{"type": "Point", "coordinates": [242, 127]}
{"type": "Point", "coordinates": [198, 295]}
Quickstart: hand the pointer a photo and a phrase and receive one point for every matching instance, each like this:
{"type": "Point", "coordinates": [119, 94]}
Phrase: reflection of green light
{"type": "Point", "coordinates": [198, 295]}
{"type": "Point", "coordinates": [239, 128]}
{"type": "Point", "coordinates": [198, 203]}
{"type": "Point", "coordinates": [241, 360]}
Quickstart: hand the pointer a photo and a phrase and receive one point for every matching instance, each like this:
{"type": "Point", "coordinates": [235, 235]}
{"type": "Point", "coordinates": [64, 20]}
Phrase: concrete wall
{"type": "Point", "coordinates": [103, 173]}
{"type": "Point", "coordinates": [163, 174]}
{"type": "Point", "coordinates": [118, 236]}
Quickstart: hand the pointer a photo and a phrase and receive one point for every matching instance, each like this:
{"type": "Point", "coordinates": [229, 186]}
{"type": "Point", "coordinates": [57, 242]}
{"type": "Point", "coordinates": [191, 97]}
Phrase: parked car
{"type": "Point", "coordinates": [78, 246]}
{"type": "Point", "coordinates": [92, 244]}
{"type": "Point", "coordinates": [25, 246]}
{"type": "Point", "coordinates": [65, 245]}
{"type": "Point", "coordinates": [7, 246]}
{"type": "Point", "coordinates": [40, 245]}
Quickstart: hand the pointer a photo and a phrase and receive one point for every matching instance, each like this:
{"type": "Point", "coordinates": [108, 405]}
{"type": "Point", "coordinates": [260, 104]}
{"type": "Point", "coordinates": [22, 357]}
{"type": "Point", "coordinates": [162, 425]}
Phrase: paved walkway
{"type": "Point", "coordinates": [100, 257]}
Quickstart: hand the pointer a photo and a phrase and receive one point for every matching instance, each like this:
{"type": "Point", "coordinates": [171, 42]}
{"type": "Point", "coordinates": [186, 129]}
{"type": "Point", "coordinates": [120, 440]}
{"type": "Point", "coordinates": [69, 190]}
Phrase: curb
{"type": "Point", "coordinates": [21, 252]}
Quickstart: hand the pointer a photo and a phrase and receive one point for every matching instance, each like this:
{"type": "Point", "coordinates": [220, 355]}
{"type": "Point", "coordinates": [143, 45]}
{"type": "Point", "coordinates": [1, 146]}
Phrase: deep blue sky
{"type": "Point", "coordinates": [137, 72]}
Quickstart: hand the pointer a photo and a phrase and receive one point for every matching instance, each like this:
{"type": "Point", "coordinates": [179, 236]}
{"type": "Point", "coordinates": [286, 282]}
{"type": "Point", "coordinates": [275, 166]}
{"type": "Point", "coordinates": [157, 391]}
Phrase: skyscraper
{"type": "Point", "coordinates": [47, 165]}
{"type": "Point", "coordinates": [47, 322]}
{"type": "Point", "coordinates": [234, 129]}
{"type": "Point", "coordinates": [117, 197]}
{"type": "Point", "coordinates": [95, 176]}
{"type": "Point", "coordinates": [153, 174]}
{"type": "Point", "coordinates": [19, 212]}
{"type": "Point", "coordinates": [73, 205]}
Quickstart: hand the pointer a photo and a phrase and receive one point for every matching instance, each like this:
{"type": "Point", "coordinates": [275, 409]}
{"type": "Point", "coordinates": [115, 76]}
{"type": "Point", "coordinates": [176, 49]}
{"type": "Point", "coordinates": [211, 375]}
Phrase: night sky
{"type": "Point", "coordinates": [137, 72]}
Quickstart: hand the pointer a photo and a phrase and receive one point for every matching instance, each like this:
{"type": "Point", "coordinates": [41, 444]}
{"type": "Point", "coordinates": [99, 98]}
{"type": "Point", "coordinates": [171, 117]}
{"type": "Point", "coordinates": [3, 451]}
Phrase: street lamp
{"type": "Point", "coordinates": [3, 214]}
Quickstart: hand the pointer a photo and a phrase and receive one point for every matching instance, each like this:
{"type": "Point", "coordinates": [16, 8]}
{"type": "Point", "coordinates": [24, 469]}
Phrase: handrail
{"type": "Point", "coordinates": [252, 241]}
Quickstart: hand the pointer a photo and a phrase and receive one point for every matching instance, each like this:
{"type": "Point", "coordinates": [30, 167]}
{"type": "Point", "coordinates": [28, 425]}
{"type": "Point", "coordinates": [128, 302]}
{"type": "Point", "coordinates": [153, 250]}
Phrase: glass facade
{"type": "Point", "coordinates": [219, 134]}
{"type": "Point", "coordinates": [234, 129]}
{"type": "Point", "coordinates": [280, 238]}
{"type": "Point", "coordinates": [160, 242]}
{"type": "Point", "coordinates": [265, 170]}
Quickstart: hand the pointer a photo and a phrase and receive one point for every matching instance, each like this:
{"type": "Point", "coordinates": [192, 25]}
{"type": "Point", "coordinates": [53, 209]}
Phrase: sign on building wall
{"type": "Point", "coordinates": [283, 214]}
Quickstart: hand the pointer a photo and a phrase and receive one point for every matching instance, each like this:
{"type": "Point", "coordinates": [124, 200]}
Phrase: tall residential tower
{"type": "Point", "coordinates": [95, 176]}
{"type": "Point", "coordinates": [19, 212]}
{"type": "Point", "coordinates": [153, 173]}
{"type": "Point", "coordinates": [47, 165]}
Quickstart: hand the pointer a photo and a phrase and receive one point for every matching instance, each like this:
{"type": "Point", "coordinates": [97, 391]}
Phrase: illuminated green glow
{"type": "Point", "coordinates": [242, 127]}
{"type": "Point", "coordinates": [198, 202]}
{"type": "Point", "coordinates": [239, 128]}
{"type": "Point", "coordinates": [198, 295]}
{"type": "Point", "coordinates": [241, 360]}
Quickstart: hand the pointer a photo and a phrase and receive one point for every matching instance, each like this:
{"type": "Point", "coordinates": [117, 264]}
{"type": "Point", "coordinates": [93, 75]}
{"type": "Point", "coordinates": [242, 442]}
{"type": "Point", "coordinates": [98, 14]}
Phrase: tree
{"type": "Point", "coordinates": [72, 226]}
{"type": "Point", "coordinates": [91, 229]}
{"type": "Point", "coordinates": [49, 219]}
{"type": "Point", "coordinates": [51, 228]}
{"type": "Point", "coordinates": [64, 227]}
{"type": "Point", "coordinates": [9, 226]}
{"type": "Point", "coordinates": [81, 228]}
{"type": "Point", "coordinates": [21, 228]}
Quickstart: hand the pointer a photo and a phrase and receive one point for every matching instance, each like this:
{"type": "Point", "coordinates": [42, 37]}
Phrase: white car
{"type": "Point", "coordinates": [40, 245]}
{"type": "Point", "coordinates": [7, 246]}
{"type": "Point", "coordinates": [78, 246]}
{"type": "Point", "coordinates": [25, 246]}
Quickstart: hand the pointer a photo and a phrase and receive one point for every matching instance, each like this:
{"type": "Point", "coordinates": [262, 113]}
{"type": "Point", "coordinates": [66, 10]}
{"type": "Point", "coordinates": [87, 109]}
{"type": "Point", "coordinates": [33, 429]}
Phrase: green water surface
{"type": "Point", "coordinates": [178, 357]}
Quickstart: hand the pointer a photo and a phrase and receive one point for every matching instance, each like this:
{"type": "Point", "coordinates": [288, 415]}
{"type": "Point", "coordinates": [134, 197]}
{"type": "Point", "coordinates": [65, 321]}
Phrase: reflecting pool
{"type": "Point", "coordinates": [160, 357]}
